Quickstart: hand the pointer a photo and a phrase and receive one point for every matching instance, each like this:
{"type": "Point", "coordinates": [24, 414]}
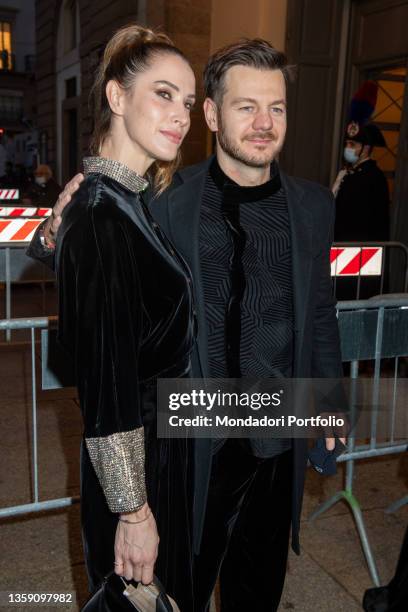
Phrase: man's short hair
{"type": "Point", "coordinates": [255, 53]}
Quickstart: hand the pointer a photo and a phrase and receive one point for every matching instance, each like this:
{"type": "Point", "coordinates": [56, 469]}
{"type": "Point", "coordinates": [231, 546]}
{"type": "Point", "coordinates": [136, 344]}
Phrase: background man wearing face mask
{"type": "Point", "coordinates": [361, 189]}
{"type": "Point", "coordinates": [46, 190]}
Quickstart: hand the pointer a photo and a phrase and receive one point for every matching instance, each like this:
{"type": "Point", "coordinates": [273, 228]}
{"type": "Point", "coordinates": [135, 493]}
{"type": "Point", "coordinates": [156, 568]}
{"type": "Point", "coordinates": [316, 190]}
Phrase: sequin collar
{"type": "Point", "coordinates": [117, 171]}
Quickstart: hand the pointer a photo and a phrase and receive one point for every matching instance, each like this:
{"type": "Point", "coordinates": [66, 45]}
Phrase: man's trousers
{"type": "Point", "coordinates": [246, 530]}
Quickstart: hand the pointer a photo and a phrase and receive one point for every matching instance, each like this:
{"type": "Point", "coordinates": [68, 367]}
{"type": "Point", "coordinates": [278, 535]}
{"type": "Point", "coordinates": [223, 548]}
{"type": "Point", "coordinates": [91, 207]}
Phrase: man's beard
{"type": "Point", "coordinates": [235, 152]}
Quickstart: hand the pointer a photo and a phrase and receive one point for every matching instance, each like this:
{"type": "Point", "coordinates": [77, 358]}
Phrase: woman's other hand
{"type": "Point", "coordinates": [136, 545]}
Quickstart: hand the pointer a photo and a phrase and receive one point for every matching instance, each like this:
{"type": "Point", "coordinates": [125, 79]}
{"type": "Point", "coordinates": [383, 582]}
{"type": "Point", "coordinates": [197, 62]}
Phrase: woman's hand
{"type": "Point", "coordinates": [136, 545]}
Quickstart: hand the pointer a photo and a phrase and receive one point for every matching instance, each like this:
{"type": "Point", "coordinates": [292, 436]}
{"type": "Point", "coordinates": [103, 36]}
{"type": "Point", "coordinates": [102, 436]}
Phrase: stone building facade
{"type": "Point", "coordinates": [17, 83]}
{"type": "Point", "coordinates": [71, 34]}
{"type": "Point", "coordinates": [335, 46]}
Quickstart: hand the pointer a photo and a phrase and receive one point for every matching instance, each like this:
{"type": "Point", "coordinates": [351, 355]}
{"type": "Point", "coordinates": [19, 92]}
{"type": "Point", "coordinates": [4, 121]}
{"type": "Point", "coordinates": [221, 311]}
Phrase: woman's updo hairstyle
{"type": "Point", "coordinates": [129, 52]}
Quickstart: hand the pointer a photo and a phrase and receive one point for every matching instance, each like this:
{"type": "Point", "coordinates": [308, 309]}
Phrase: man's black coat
{"type": "Point", "coordinates": [316, 342]}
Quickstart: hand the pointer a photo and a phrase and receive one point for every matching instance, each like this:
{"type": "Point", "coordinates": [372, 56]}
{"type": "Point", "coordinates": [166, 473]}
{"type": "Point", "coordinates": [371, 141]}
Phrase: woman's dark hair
{"type": "Point", "coordinates": [256, 53]}
{"type": "Point", "coordinates": [130, 51]}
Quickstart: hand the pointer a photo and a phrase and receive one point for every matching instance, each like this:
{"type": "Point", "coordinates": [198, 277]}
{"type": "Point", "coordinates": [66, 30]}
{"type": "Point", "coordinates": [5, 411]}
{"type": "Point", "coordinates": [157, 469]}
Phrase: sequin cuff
{"type": "Point", "coordinates": [118, 461]}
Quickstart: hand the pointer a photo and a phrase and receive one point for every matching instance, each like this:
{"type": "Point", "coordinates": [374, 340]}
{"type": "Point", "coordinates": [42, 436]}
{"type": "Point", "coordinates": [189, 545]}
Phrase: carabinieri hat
{"type": "Point", "coordinates": [359, 127]}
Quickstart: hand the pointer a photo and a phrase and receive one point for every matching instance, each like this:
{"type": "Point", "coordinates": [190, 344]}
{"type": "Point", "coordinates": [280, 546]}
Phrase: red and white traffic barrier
{"type": "Point", "coordinates": [24, 211]}
{"type": "Point", "coordinates": [9, 194]}
{"type": "Point", "coordinates": [18, 230]}
{"type": "Point", "coordinates": [356, 261]}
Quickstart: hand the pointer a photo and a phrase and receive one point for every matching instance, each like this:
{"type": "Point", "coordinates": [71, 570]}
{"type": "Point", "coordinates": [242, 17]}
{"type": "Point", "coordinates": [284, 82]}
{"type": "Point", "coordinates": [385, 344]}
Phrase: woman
{"type": "Point", "coordinates": [126, 315]}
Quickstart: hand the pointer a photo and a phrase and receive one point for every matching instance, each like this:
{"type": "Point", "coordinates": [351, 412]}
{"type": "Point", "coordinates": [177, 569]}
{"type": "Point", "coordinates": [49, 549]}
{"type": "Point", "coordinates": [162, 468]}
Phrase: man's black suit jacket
{"type": "Point", "coordinates": [316, 342]}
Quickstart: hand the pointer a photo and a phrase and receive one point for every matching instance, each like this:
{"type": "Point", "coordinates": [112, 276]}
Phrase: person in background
{"type": "Point", "coordinates": [16, 177]}
{"type": "Point", "coordinates": [45, 190]}
{"type": "Point", "coordinates": [9, 178]}
{"type": "Point", "coordinates": [24, 177]}
{"type": "Point", "coordinates": [394, 596]}
{"type": "Point", "coordinates": [26, 200]}
{"type": "Point", "coordinates": [361, 189]}
{"type": "Point", "coordinates": [3, 157]}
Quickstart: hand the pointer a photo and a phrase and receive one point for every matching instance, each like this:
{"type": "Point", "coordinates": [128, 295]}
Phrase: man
{"type": "Point", "coordinates": [394, 596]}
{"type": "Point", "coordinates": [3, 158]}
{"type": "Point", "coordinates": [258, 245]}
{"type": "Point", "coordinates": [46, 190]}
{"type": "Point", "coordinates": [9, 177]}
{"type": "Point", "coordinates": [361, 189]}
{"type": "Point", "coordinates": [361, 192]}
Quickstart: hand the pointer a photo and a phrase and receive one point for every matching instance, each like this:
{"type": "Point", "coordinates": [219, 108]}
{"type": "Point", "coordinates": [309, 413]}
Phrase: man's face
{"type": "Point", "coordinates": [361, 151]}
{"type": "Point", "coordinates": [356, 146]}
{"type": "Point", "coordinates": [251, 119]}
{"type": "Point", "coordinates": [41, 179]}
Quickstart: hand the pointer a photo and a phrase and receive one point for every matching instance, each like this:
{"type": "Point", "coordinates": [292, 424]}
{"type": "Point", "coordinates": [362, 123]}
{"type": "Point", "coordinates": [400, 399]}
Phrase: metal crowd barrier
{"type": "Point", "coordinates": [18, 223]}
{"type": "Point", "coordinates": [361, 270]}
{"type": "Point", "coordinates": [16, 267]}
{"type": "Point", "coordinates": [35, 505]}
{"type": "Point", "coordinates": [373, 329]}
{"type": "Point", "coordinates": [365, 329]}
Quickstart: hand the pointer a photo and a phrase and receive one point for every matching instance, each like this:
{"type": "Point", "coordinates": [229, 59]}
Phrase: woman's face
{"type": "Point", "coordinates": [156, 110]}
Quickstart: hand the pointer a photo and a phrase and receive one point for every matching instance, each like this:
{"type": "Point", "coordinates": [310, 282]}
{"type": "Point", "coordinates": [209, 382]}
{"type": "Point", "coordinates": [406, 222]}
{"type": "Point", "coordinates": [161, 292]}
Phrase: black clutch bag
{"type": "Point", "coordinates": [117, 594]}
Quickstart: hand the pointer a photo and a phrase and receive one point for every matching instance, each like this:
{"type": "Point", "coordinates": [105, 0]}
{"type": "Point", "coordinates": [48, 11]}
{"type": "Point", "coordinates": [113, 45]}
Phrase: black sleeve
{"type": "Point", "coordinates": [37, 251]}
{"type": "Point", "coordinates": [326, 355]}
{"type": "Point", "coordinates": [99, 282]}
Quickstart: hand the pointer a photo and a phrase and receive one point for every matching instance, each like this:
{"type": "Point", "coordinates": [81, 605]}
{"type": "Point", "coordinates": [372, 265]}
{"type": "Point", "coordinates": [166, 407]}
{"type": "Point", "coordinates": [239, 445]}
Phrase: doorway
{"type": "Point", "coordinates": [387, 115]}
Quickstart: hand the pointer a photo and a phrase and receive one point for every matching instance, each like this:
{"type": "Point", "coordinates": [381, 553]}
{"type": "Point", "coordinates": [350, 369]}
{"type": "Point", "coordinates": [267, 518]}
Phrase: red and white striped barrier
{"type": "Point", "coordinates": [23, 211]}
{"type": "Point", "coordinates": [344, 261]}
{"type": "Point", "coordinates": [356, 261]}
{"type": "Point", "coordinates": [9, 194]}
{"type": "Point", "coordinates": [18, 230]}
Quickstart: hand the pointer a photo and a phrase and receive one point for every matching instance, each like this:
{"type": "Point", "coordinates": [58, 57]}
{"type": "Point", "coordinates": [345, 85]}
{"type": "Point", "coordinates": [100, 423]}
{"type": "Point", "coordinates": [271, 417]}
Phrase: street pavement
{"type": "Point", "coordinates": [43, 552]}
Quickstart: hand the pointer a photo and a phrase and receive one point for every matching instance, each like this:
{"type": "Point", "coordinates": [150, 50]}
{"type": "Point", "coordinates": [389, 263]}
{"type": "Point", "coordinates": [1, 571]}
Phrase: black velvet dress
{"type": "Point", "coordinates": [126, 317]}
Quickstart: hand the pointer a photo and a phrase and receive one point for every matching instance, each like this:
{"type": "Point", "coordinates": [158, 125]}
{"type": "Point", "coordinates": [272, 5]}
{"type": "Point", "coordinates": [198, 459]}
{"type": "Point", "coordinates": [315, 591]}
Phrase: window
{"type": "Point", "coordinates": [70, 25]}
{"type": "Point", "coordinates": [29, 63]}
{"type": "Point", "coordinates": [71, 87]}
{"type": "Point", "coordinates": [388, 115]}
{"type": "Point", "coordinates": [5, 46]}
{"type": "Point", "coordinates": [11, 108]}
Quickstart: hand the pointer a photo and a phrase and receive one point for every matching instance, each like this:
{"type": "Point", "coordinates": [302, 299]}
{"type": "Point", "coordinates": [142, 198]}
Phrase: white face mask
{"type": "Point", "coordinates": [40, 180]}
{"type": "Point", "coordinates": [350, 155]}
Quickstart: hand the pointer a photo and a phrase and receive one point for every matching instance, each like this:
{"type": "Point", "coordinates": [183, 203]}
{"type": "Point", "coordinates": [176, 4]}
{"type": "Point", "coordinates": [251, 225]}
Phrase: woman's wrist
{"type": "Point", "coordinates": [47, 238]}
{"type": "Point", "coordinates": [140, 514]}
